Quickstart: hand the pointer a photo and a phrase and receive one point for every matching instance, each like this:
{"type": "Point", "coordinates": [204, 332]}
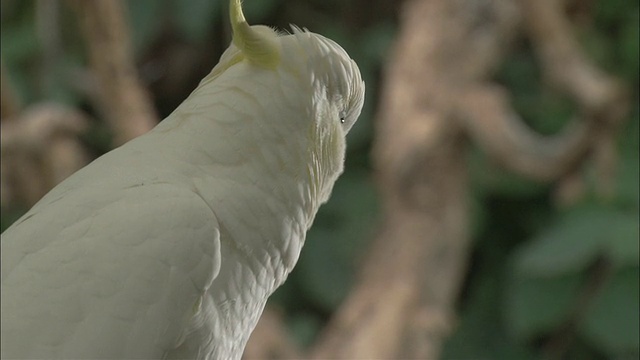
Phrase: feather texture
{"type": "Point", "coordinates": [169, 246]}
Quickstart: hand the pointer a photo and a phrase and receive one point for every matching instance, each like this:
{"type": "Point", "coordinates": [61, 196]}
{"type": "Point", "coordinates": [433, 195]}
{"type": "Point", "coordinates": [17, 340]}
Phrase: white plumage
{"type": "Point", "coordinates": [169, 246]}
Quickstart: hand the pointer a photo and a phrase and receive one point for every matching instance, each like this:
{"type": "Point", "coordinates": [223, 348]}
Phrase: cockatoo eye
{"type": "Point", "coordinates": [343, 116]}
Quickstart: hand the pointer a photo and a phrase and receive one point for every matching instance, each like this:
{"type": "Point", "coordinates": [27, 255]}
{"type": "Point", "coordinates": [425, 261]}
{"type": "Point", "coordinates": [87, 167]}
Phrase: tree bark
{"type": "Point", "coordinates": [438, 95]}
{"type": "Point", "coordinates": [403, 305]}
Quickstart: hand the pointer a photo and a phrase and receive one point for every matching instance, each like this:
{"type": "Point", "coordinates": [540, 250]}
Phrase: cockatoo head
{"type": "Point", "coordinates": [333, 71]}
{"type": "Point", "coordinates": [316, 71]}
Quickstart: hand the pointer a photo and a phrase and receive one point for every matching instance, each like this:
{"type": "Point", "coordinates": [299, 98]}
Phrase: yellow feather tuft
{"type": "Point", "coordinates": [258, 43]}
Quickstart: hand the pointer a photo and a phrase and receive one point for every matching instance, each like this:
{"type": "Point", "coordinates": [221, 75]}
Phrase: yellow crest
{"type": "Point", "coordinates": [258, 44]}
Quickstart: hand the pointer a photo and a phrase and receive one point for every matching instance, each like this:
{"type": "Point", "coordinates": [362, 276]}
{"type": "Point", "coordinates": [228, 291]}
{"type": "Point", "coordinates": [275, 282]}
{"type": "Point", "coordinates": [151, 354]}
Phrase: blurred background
{"type": "Point", "coordinates": [543, 277]}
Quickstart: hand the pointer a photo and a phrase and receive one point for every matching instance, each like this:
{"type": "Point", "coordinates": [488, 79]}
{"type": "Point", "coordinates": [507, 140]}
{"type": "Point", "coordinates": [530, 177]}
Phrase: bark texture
{"type": "Point", "coordinates": [438, 99]}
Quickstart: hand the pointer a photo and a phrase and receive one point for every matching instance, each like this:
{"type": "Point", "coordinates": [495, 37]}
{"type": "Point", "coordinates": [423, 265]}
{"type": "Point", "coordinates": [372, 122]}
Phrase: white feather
{"type": "Point", "coordinates": [169, 246]}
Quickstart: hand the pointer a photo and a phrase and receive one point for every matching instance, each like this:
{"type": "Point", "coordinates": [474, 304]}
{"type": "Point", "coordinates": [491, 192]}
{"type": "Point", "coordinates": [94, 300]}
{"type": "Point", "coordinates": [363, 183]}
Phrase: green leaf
{"type": "Point", "coordinates": [624, 247]}
{"type": "Point", "coordinates": [481, 333]}
{"type": "Point", "coordinates": [630, 46]}
{"type": "Point", "coordinates": [612, 323]}
{"type": "Point", "coordinates": [609, 12]}
{"type": "Point", "coordinates": [535, 306]}
{"type": "Point", "coordinates": [566, 248]}
{"type": "Point", "coordinates": [577, 239]}
{"type": "Point", "coordinates": [628, 179]}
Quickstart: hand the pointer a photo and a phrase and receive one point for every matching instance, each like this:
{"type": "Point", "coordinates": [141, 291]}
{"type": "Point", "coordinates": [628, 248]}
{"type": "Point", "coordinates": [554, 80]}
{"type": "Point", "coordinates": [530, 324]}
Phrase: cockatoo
{"type": "Point", "coordinates": [169, 246]}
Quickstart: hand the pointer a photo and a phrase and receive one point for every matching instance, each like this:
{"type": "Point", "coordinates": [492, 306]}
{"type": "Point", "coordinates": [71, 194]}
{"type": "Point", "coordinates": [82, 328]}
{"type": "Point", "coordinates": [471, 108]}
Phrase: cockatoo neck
{"type": "Point", "coordinates": [233, 135]}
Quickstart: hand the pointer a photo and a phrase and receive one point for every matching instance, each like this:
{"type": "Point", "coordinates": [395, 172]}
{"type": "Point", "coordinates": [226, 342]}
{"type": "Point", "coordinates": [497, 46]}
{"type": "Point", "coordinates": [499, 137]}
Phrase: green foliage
{"type": "Point", "coordinates": [613, 320]}
{"type": "Point", "coordinates": [480, 333]}
{"type": "Point", "coordinates": [580, 236]}
{"type": "Point", "coordinates": [548, 278]}
{"type": "Point", "coordinates": [536, 305]}
{"type": "Point", "coordinates": [532, 264]}
{"type": "Point", "coordinates": [576, 277]}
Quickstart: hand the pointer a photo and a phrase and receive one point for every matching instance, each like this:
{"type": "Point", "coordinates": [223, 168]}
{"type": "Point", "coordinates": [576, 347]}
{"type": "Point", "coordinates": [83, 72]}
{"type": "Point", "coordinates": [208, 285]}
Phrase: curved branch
{"type": "Point", "coordinates": [564, 63]}
{"type": "Point", "coordinates": [499, 131]}
{"type": "Point", "coordinates": [600, 96]}
{"type": "Point", "coordinates": [602, 102]}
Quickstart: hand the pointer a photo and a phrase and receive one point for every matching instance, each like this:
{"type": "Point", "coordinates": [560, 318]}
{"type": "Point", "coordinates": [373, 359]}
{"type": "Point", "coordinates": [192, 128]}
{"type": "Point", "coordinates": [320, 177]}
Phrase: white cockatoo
{"type": "Point", "coordinates": [169, 246]}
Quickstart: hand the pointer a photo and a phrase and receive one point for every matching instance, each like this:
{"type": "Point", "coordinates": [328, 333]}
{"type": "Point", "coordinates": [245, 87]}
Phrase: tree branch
{"type": "Point", "coordinates": [565, 65]}
{"type": "Point", "coordinates": [603, 104]}
{"type": "Point", "coordinates": [270, 340]}
{"type": "Point", "coordinates": [501, 133]}
{"type": "Point", "coordinates": [403, 303]}
{"type": "Point", "coordinates": [402, 306]}
{"type": "Point", "coordinates": [123, 100]}
{"type": "Point", "coordinates": [40, 149]}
